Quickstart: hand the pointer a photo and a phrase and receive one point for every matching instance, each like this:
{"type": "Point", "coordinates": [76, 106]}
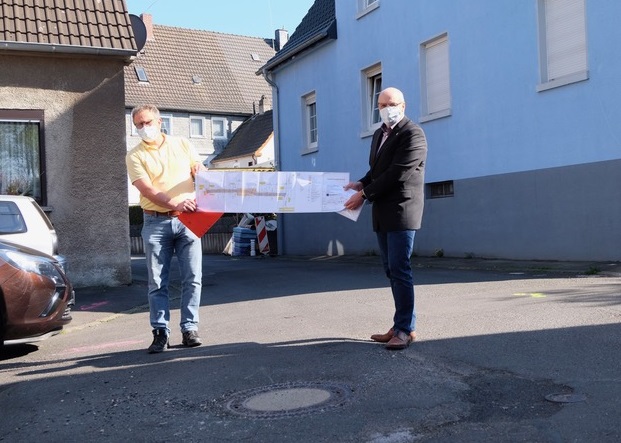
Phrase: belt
{"type": "Point", "coordinates": [162, 214]}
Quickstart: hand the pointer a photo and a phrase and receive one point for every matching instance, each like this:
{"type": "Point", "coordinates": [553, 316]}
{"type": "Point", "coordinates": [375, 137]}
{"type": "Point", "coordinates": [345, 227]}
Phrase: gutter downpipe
{"type": "Point", "coordinates": [276, 122]}
{"type": "Point", "coordinates": [276, 118]}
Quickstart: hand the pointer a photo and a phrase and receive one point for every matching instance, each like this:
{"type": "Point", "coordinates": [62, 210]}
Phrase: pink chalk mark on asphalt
{"type": "Point", "coordinates": [116, 344]}
{"type": "Point", "coordinates": [93, 306]}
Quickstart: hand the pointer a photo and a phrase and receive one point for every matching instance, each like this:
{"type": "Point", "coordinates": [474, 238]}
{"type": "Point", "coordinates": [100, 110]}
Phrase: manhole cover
{"type": "Point", "coordinates": [287, 399]}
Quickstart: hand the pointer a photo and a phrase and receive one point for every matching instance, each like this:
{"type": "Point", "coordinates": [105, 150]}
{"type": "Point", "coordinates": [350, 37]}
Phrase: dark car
{"type": "Point", "coordinates": [35, 295]}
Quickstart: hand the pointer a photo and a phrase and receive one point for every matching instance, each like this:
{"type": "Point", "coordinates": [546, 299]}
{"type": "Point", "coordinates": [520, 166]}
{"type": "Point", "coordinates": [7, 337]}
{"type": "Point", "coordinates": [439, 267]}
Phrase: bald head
{"type": "Point", "coordinates": [391, 106]}
{"type": "Point", "coordinates": [392, 95]}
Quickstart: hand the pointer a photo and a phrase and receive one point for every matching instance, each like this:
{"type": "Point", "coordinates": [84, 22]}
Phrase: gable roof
{"type": "Point", "coordinates": [224, 64]}
{"type": "Point", "coordinates": [319, 24]}
{"type": "Point", "coordinates": [67, 27]}
{"type": "Point", "coordinates": [248, 138]}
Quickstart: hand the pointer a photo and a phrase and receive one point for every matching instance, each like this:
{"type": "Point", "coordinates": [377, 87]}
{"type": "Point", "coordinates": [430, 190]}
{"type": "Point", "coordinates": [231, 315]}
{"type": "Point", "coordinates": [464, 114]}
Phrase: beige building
{"type": "Point", "coordinates": [70, 74]}
{"type": "Point", "coordinates": [62, 126]}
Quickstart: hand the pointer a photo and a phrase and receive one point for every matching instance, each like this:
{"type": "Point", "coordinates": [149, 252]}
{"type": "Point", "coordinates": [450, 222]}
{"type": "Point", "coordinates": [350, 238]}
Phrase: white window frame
{"type": "Point", "coordinates": [435, 78]}
{"type": "Point", "coordinates": [309, 103]}
{"type": "Point", "coordinates": [224, 128]}
{"type": "Point", "coordinates": [370, 94]}
{"type": "Point", "coordinates": [201, 119]}
{"type": "Point", "coordinates": [167, 124]}
{"type": "Point", "coordinates": [366, 6]}
{"type": "Point", "coordinates": [563, 50]}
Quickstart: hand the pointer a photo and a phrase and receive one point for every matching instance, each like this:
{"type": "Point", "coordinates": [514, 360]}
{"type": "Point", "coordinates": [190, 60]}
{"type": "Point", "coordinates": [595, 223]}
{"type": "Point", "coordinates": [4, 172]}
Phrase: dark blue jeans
{"type": "Point", "coordinates": [396, 249]}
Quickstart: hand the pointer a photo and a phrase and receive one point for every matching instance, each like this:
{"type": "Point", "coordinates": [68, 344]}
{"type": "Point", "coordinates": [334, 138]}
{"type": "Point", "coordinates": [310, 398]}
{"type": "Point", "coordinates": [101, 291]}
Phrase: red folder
{"type": "Point", "coordinates": [199, 222]}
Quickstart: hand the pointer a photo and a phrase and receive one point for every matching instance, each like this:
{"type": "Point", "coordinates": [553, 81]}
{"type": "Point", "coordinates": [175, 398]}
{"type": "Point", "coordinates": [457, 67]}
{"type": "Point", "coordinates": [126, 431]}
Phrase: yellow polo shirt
{"type": "Point", "coordinates": [167, 167]}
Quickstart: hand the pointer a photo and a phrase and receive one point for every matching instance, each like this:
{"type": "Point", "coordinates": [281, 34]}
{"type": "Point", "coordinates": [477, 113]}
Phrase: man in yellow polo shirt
{"type": "Point", "coordinates": [162, 168]}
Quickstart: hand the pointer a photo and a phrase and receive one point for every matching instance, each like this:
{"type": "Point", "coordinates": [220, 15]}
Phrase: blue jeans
{"type": "Point", "coordinates": [162, 237]}
{"type": "Point", "coordinates": [396, 249]}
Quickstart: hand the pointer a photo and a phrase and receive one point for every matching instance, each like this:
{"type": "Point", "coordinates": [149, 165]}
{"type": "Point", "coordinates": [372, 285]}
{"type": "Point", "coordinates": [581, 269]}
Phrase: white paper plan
{"type": "Point", "coordinates": [281, 191]}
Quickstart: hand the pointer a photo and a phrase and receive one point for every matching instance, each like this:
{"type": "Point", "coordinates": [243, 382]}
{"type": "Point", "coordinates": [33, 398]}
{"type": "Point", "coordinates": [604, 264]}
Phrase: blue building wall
{"type": "Point", "coordinates": [535, 174]}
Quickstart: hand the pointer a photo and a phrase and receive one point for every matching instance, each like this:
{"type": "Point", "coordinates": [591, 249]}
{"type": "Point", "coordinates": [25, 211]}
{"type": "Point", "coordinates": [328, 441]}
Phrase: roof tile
{"type": "Point", "coordinates": [66, 23]}
{"type": "Point", "coordinates": [249, 137]}
{"type": "Point", "coordinates": [223, 62]}
{"type": "Point", "coordinates": [319, 20]}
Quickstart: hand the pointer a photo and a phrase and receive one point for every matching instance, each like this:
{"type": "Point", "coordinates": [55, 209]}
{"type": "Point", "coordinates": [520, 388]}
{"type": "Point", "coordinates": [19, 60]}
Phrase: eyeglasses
{"type": "Point", "coordinates": [141, 124]}
{"type": "Point", "coordinates": [385, 105]}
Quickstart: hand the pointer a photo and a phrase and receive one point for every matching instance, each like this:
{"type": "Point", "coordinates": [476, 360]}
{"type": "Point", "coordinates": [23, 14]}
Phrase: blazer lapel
{"type": "Point", "coordinates": [377, 139]}
{"type": "Point", "coordinates": [391, 136]}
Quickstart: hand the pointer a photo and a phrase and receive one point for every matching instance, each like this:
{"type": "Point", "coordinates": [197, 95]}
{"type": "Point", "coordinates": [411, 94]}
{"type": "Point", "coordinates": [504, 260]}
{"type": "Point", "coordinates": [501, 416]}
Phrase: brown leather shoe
{"type": "Point", "coordinates": [400, 340]}
{"type": "Point", "coordinates": [385, 338]}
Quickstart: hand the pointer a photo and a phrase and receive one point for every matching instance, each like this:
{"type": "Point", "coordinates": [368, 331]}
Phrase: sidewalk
{"type": "Point", "coordinates": [610, 269]}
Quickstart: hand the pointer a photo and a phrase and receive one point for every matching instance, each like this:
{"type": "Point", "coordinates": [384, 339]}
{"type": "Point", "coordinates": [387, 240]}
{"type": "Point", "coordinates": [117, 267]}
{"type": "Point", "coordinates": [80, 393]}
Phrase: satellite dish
{"type": "Point", "coordinates": [140, 31]}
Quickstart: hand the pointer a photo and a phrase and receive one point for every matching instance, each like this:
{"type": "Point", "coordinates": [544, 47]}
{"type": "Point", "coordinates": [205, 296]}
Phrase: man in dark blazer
{"type": "Point", "coordinates": [394, 185]}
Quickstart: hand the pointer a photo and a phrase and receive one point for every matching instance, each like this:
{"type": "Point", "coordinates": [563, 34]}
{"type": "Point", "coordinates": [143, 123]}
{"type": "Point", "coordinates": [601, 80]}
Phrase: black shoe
{"type": "Point", "coordinates": [160, 341]}
{"type": "Point", "coordinates": [191, 339]}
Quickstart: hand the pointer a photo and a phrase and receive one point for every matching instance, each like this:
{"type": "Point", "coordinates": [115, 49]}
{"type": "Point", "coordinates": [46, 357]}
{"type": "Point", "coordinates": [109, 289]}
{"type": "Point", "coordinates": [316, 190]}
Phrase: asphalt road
{"type": "Point", "coordinates": [515, 352]}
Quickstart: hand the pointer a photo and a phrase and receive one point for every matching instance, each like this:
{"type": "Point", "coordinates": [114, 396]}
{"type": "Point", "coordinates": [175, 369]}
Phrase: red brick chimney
{"type": "Point", "coordinates": [147, 19]}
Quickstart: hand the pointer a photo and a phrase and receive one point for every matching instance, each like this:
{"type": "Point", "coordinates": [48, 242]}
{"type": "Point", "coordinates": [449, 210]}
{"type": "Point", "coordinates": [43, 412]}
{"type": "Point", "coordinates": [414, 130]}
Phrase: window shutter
{"type": "Point", "coordinates": [565, 37]}
{"type": "Point", "coordinates": [437, 76]}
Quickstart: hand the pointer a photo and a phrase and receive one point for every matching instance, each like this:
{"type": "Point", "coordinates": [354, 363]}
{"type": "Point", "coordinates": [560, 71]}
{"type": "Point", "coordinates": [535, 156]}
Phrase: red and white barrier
{"type": "Point", "coordinates": [264, 245]}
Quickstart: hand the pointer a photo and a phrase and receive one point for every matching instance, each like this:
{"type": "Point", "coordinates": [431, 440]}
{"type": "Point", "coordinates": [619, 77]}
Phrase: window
{"type": "Point", "coordinates": [372, 78]}
{"type": "Point", "coordinates": [11, 219]}
{"type": "Point", "coordinates": [366, 6]}
{"type": "Point", "coordinates": [310, 121]}
{"type": "Point", "coordinates": [218, 127]}
{"type": "Point", "coordinates": [440, 189]}
{"type": "Point", "coordinates": [435, 78]}
{"type": "Point", "coordinates": [22, 154]}
{"type": "Point", "coordinates": [141, 74]}
{"type": "Point", "coordinates": [197, 127]}
{"type": "Point", "coordinates": [167, 124]}
{"type": "Point", "coordinates": [562, 42]}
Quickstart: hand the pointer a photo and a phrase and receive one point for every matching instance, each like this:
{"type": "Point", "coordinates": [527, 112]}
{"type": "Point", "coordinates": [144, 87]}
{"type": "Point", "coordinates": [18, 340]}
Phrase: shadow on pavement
{"type": "Point", "coordinates": [479, 388]}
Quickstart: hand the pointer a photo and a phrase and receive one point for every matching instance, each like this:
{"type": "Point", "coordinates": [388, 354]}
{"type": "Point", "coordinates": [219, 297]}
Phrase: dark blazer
{"type": "Point", "coordinates": [396, 178]}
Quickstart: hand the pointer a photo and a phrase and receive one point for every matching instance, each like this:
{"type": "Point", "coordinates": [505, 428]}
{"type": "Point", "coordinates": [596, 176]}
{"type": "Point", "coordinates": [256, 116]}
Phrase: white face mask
{"type": "Point", "coordinates": [149, 133]}
{"type": "Point", "coordinates": [390, 115]}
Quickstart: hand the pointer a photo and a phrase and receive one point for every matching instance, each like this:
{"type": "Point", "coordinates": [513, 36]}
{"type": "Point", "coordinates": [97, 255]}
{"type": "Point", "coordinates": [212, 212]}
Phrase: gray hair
{"type": "Point", "coordinates": [151, 108]}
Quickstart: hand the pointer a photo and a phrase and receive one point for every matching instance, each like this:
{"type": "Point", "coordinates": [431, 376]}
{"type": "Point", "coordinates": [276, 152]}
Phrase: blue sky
{"type": "Point", "coordinates": [254, 18]}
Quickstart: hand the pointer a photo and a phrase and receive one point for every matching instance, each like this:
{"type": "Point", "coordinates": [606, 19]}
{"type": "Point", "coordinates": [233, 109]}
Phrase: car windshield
{"type": "Point", "coordinates": [11, 220]}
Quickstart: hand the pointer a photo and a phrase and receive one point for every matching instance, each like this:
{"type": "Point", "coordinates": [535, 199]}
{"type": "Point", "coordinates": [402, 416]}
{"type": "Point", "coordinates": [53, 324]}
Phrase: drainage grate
{"type": "Point", "coordinates": [287, 399]}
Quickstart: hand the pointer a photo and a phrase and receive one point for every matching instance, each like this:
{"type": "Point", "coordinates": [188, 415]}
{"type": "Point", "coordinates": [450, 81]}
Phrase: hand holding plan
{"type": "Point", "coordinates": [351, 214]}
